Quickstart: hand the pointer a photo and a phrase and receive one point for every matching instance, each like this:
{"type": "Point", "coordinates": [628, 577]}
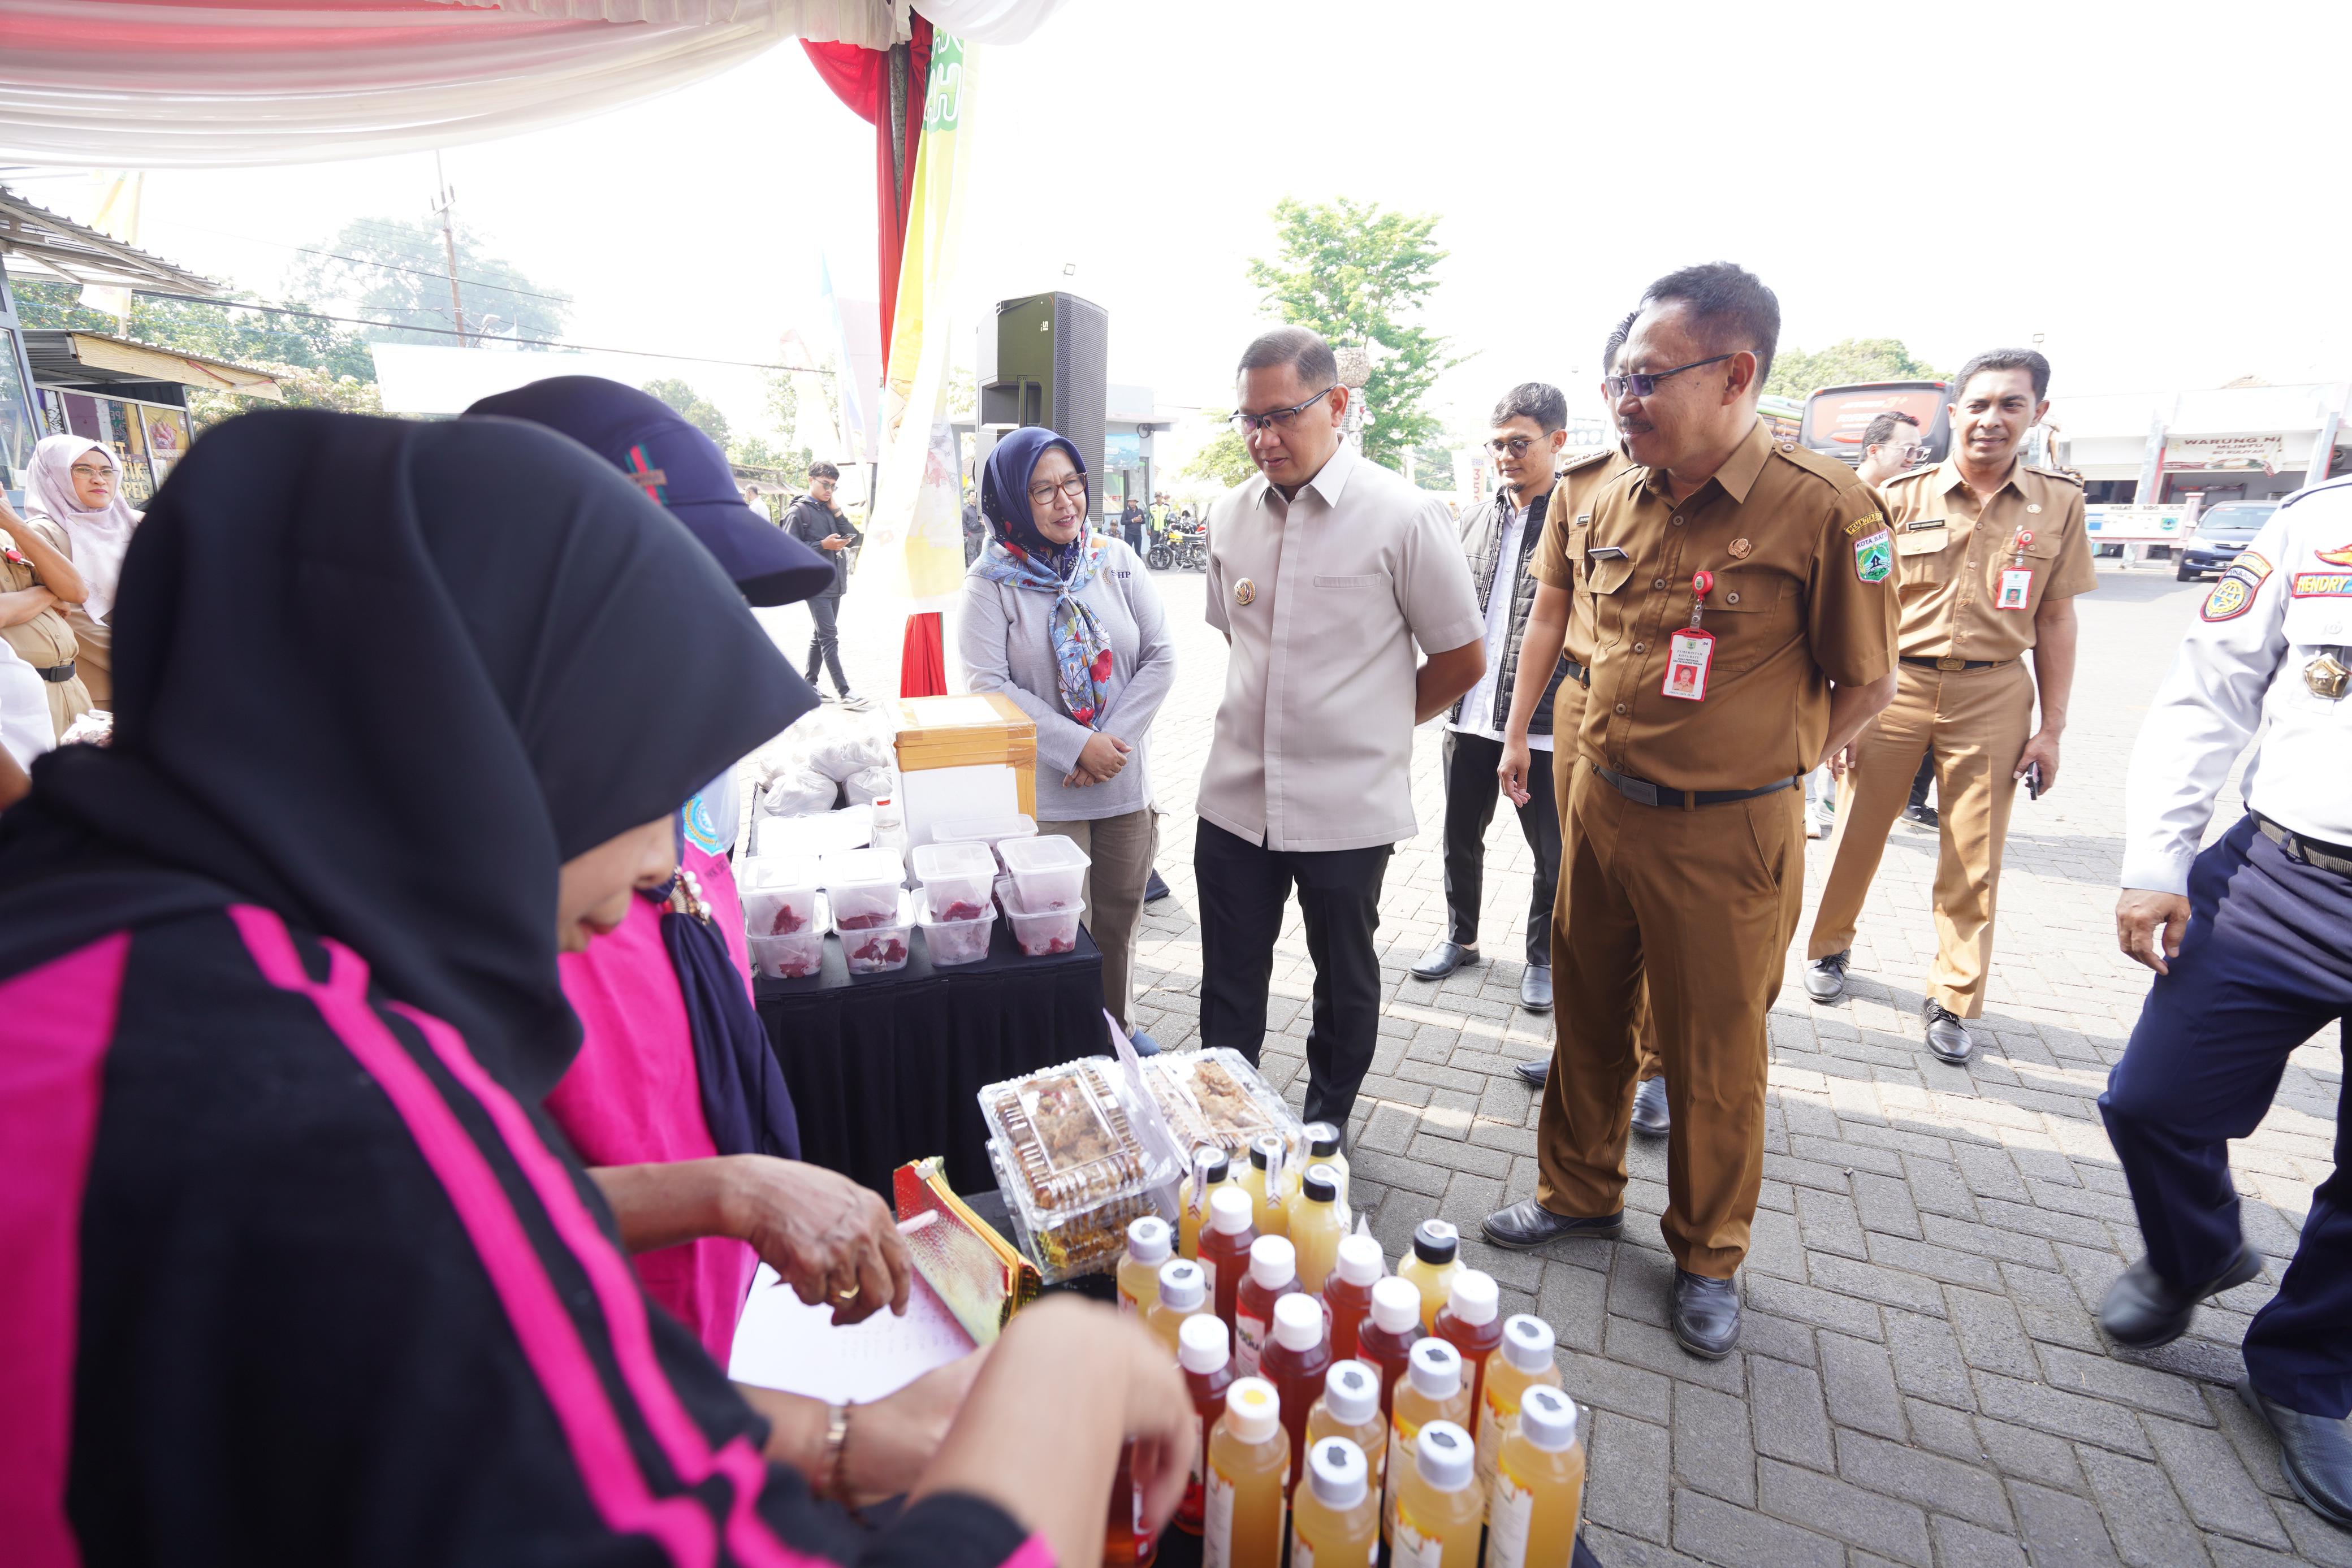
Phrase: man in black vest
{"type": "Point", "coordinates": [815, 521]}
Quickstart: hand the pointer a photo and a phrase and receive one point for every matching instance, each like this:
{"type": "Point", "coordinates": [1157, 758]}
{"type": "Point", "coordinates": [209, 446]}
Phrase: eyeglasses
{"type": "Point", "coordinates": [1280, 419]}
{"type": "Point", "coordinates": [1075, 487]}
{"type": "Point", "coordinates": [90, 471]}
{"type": "Point", "coordinates": [1516, 446]}
{"type": "Point", "coordinates": [1644, 386]}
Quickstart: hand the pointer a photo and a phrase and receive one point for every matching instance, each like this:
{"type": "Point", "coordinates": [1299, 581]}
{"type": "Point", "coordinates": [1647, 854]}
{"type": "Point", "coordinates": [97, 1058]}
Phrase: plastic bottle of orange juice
{"type": "Point", "coordinates": [1335, 1517]}
{"type": "Point", "coordinates": [1210, 1169]}
{"type": "Point", "coordinates": [1523, 1361]}
{"type": "Point", "coordinates": [1183, 1290]}
{"type": "Point", "coordinates": [1316, 1227]}
{"type": "Point", "coordinates": [1323, 1149]}
{"type": "Point", "coordinates": [1538, 1486]}
{"type": "Point", "coordinates": [1350, 1408]}
{"type": "Point", "coordinates": [1249, 1467]}
{"type": "Point", "coordinates": [1432, 1389]}
{"type": "Point", "coordinates": [1434, 1260]}
{"type": "Point", "coordinates": [1269, 1180]}
{"type": "Point", "coordinates": [1437, 1506]}
{"type": "Point", "coordinates": [1148, 1246]}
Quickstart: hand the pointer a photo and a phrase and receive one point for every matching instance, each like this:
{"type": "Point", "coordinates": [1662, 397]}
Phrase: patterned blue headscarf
{"type": "Point", "coordinates": [1018, 554]}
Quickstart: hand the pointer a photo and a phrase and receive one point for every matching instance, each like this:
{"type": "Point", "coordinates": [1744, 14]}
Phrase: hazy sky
{"type": "Point", "coordinates": [2157, 188]}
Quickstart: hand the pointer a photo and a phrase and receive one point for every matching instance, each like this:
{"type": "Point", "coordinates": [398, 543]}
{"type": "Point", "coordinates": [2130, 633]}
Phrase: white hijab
{"type": "Point", "coordinates": [99, 537]}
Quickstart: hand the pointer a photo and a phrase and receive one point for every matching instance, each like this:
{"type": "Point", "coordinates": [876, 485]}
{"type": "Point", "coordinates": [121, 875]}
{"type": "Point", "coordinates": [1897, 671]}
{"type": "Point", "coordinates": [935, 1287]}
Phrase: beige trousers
{"type": "Point", "coordinates": [1121, 849]}
{"type": "Point", "coordinates": [95, 661]}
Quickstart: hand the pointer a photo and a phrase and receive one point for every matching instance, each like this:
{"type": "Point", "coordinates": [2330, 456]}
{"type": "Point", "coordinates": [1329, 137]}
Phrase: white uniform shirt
{"type": "Point", "coordinates": [2281, 604]}
{"type": "Point", "coordinates": [1478, 708]}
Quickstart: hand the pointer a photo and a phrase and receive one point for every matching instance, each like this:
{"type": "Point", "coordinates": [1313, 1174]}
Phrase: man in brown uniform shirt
{"type": "Point", "coordinates": [1743, 628]}
{"type": "Point", "coordinates": [1990, 555]}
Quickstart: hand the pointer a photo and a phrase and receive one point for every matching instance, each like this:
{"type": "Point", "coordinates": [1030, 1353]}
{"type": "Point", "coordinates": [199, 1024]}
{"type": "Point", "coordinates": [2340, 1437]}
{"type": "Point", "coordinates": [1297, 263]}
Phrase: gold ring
{"type": "Point", "coordinates": [848, 1295]}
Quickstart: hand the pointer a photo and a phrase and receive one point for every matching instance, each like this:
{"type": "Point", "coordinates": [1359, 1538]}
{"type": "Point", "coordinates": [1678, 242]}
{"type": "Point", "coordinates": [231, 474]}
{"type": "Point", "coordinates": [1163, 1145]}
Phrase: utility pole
{"type": "Point", "coordinates": [450, 247]}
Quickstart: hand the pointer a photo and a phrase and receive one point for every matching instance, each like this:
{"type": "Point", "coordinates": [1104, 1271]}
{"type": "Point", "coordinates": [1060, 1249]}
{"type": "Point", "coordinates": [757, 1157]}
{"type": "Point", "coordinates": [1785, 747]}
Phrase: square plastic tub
{"type": "Point", "coordinates": [1049, 872]}
{"type": "Point", "coordinates": [957, 877]}
{"type": "Point", "coordinates": [1216, 1097]}
{"type": "Point", "coordinates": [990, 831]}
{"type": "Point", "coordinates": [863, 886]}
{"type": "Point", "coordinates": [1045, 931]}
{"type": "Point", "coordinates": [879, 949]}
{"type": "Point", "coordinates": [1078, 1162]}
{"type": "Point", "coordinates": [794, 957]}
{"type": "Point", "coordinates": [953, 942]}
{"type": "Point", "coordinates": [779, 895]}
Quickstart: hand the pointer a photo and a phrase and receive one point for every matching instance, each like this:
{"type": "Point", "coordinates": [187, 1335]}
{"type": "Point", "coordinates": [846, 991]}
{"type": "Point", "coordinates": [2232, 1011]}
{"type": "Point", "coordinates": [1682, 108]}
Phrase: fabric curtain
{"type": "Point", "coordinates": [863, 78]}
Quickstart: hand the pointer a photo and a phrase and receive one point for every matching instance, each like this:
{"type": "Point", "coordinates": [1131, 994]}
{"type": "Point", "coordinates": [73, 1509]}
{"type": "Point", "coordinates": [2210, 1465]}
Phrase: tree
{"type": "Point", "coordinates": [1434, 466]}
{"type": "Point", "coordinates": [693, 407]}
{"type": "Point", "coordinates": [1225, 460]}
{"type": "Point", "coordinates": [397, 270]}
{"type": "Point", "coordinates": [1358, 275]}
{"type": "Point", "coordinates": [1796, 373]}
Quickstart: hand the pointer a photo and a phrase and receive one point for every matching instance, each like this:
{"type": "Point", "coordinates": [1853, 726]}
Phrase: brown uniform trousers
{"type": "Point", "coordinates": [1698, 902]}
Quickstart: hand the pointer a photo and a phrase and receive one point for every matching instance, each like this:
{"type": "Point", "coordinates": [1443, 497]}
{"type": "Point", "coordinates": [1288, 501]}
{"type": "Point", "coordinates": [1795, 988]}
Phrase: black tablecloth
{"type": "Point", "coordinates": [884, 1068]}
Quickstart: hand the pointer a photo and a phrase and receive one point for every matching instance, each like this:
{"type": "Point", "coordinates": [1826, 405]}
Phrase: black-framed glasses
{"type": "Point", "coordinates": [1075, 487]}
{"type": "Point", "coordinates": [1280, 419]}
{"type": "Point", "coordinates": [1516, 446]}
{"type": "Point", "coordinates": [1644, 385]}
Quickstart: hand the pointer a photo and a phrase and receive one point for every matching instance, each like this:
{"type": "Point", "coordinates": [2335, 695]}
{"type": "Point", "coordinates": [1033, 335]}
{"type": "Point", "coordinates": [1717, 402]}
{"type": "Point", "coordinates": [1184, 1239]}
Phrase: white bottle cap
{"type": "Point", "coordinates": [1360, 1263]}
{"type": "Point", "coordinates": [1274, 1262]}
{"type": "Point", "coordinates": [1230, 1210]}
{"type": "Point", "coordinates": [1183, 1286]}
{"type": "Point", "coordinates": [1526, 1341]}
{"type": "Point", "coordinates": [1396, 1305]}
{"type": "Point", "coordinates": [1202, 1344]}
{"type": "Point", "coordinates": [1352, 1390]}
{"type": "Point", "coordinates": [1252, 1409]}
{"type": "Point", "coordinates": [1297, 1321]}
{"type": "Point", "coordinates": [1435, 1368]}
{"type": "Point", "coordinates": [1337, 1471]}
{"type": "Point", "coordinates": [1147, 1240]}
{"type": "Point", "coordinates": [1448, 1456]}
{"type": "Point", "coordinates": [1473, 1299]}
{"type": "Point", "coordinates": [1547, 1418]}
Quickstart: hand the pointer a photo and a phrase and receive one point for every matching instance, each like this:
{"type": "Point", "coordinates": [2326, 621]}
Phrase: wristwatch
{"type": "Point", "coordinates": [834, 1465]}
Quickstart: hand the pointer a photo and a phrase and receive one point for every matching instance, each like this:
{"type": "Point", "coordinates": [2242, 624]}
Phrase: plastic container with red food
{"type": "Point", "coordinates": [863, 886]}
{"type": "Point", "coordinates": [876, 949]}
{"type": "Point", "coordinates": [957, 878]}
{"type": "Point", "coordinates": [793, 955]}
{"type": "Point", "coordinates": [780, 895]}
{"type": "Point", "coordinates": [951, 942]}
{"type": "Point", "coordinates": [1042, 932]}
{"type": "Point", "coordinates": [1049, 872]}
{"type": "Point", "coordinates": [991, 831]}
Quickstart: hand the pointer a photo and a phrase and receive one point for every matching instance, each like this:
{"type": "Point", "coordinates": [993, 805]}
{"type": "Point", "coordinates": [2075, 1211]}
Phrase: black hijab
{"type": "Point", "coordinates": [385, 678]}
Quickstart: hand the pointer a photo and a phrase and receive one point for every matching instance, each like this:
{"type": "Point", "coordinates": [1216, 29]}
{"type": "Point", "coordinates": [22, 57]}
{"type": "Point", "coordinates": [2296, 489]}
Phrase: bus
{"type": "Point", "coordinates": [1783, 416]}
{"type": "Point", "coordinates": [1835, 417]}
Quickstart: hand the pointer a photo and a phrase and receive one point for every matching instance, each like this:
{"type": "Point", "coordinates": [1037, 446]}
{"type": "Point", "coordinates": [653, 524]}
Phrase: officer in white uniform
{"type": "Point", "coordinates": [2252, 943]}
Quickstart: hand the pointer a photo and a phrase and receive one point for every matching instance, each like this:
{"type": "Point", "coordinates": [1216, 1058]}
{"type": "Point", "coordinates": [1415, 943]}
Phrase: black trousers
{"type": "Point", "coordinates": [1242, 889]}
{"type": "Point", "coordinates": [1924, 780]}
{"type": "Point", "coordinates": [825, 648]}
{"type": "Point", "coordinates": [1471, 792]}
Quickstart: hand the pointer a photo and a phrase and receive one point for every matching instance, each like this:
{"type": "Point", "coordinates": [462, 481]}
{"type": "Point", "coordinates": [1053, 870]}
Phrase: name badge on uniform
{"type": "Point", "coordinates": [1690, 651]}
{"type": "Point", "coordinates": [2017, 579]}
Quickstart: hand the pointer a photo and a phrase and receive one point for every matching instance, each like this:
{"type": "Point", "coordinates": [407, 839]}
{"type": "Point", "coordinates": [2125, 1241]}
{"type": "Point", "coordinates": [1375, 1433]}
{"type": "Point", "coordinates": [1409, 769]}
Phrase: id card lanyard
{"type": "Point", "coordinates": [2016, 579]}
{"type": "Point", "coordinates": [1690, 651]}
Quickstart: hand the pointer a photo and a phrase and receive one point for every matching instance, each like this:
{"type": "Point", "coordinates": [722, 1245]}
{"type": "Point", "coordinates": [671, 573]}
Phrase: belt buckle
{"type": "Point", "coordinates": [1948, 664]}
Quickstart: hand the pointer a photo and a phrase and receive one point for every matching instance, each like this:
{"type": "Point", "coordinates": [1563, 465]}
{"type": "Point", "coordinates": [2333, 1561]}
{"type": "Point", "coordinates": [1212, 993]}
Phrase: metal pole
{"type": "Point", "coordinates": [450, 248]}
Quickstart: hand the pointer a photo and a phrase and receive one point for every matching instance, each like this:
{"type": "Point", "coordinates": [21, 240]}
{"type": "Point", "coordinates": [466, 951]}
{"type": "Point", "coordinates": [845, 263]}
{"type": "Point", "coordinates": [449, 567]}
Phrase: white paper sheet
{"type": "Point", "coordinates": [780, 1343]}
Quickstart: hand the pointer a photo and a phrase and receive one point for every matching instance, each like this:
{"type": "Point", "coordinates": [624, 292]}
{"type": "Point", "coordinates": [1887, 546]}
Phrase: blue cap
{"type": "Point", "coordinates": [681, 469]}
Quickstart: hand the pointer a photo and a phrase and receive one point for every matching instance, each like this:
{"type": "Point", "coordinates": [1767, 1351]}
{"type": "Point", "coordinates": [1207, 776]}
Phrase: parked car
{"type": "Point", "coordinates": [2220, 534]}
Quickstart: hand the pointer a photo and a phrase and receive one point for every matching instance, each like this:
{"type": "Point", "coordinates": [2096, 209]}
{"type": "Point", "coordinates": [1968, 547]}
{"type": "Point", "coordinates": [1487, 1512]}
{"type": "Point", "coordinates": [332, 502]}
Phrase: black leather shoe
{"type": "Point", "coordinates": [2143, 1310]}
{"type": "Point", "coordinates": [1706, 1314]}
{"type": "Point", "coordinates": [1921, 816]}
{"type": "Point", "coordinates": [1443, 961]}
{"type": "Point", "coordinates": [1534, 988]}
{"type": "Point", "coordinates": [1948, 1037]}
{"type": "Point", "coordinates": [2315, 1452]}
{"type": "Point", "coordinates": [1534, 1074]}
{"type": "Point", "coordinates": [1154, 890]}
{"type": "Point", "coordinates": [1528, 1224]}
{"type": "Point", "coordinates": [1651, 1118]}
{"type": "Point", "coordinates": [1826, 978]}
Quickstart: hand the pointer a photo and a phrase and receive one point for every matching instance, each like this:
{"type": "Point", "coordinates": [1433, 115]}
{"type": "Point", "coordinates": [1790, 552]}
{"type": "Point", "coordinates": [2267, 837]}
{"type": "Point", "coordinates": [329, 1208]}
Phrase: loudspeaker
{"type": "Point", "coordinates": [1048, 362]}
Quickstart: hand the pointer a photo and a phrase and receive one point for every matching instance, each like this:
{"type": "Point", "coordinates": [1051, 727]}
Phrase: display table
{"type": "Point", "coordinates": [884, 1068]}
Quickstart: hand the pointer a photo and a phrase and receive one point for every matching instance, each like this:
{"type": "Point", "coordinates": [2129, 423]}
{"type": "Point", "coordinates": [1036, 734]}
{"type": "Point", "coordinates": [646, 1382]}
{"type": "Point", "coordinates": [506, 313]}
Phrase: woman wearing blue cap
{"type": "Point", "coordinates": [1066, 622]}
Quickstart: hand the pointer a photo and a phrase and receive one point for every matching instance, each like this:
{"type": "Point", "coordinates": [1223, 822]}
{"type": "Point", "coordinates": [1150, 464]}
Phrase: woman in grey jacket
{"type": "Point", "coordinates": [1064, 622]}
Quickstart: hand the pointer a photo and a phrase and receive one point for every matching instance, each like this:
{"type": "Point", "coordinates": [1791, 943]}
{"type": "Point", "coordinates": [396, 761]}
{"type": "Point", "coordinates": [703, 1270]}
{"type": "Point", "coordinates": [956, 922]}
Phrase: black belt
{"type": "Point", "coordinates": [1644, 793]}
{"type": "Point", "coordinates": [2305, 851]}
{"type": "Point", "coordinates": [1949, 664]}
{"type": "Point", "coordinates": [58, 674]}
{"type": "Point", "coordinates": [1576, 672]}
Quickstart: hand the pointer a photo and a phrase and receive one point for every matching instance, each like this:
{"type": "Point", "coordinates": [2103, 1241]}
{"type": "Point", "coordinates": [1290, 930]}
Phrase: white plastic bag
{"type": "Point", "coordinates": [868, 785]}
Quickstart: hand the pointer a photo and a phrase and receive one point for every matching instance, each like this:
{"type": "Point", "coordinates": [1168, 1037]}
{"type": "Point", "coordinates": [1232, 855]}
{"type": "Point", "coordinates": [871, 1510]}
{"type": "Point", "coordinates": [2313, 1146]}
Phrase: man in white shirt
{"type": "Point", "coordinates": [1498, 540]}
{"type": "Point", "coordinates": [1323, 571]}
{"type": "Point", "coordinates": [2252, 943]}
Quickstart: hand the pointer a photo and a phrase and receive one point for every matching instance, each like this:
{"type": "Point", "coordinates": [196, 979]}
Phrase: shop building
{"type": "Point", "coordinates": [2199, 448]}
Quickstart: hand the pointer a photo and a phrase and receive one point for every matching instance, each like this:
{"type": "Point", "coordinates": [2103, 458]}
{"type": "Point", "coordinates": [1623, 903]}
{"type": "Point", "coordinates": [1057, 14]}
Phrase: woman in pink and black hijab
{"type": "Point", "coordinates": [76, 483]}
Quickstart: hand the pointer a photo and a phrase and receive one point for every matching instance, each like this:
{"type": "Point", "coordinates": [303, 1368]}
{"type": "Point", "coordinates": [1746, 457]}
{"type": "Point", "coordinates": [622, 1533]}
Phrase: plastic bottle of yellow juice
{"type": "Point", "coordinates": [1183, 1290]}
{"type": "Point", "coordinates": [1323, 1149]}
{"type": "Point", "coordinates": [1350, 1408]}
{"type": "Point", "coordinates": [1148, 1246]}
{"type": "Point", "coordinates": [1538, 1484]}
{"type": "Point", "coordinates": [1432, 1389]}
{"type": "Point", "coordinates": [1334, 1517]}
{"type": "Point", "coordinates": [1316, 1227]}
{"type": "Point", "coordinates": [1433, 1261]}
{"type": "Point", "coordinates": [1438, 1504]}
{"type": "Point", "coordinates": [1249, 1467]}
{"type": "Point", "coordinates": [1269, 1181]}
{"type": "Point", "coordinates": [1210, 1169]}
{"type": "Point", "coordinates": [1522, 1361]}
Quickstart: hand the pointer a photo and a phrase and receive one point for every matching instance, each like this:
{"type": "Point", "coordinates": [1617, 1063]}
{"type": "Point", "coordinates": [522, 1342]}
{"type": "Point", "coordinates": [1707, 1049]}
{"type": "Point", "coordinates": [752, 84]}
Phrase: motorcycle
{"type": "Point", "coordinates": [1191, 550]}
{"type": "Point", "coordinates": [1163, 541]}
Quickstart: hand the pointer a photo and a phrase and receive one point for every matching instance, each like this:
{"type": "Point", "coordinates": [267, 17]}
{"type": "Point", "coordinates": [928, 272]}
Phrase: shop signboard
{"type": "Point", "coordinates": [2206, 453]}
{"type": "Point", "coordinates": [2123, 525]}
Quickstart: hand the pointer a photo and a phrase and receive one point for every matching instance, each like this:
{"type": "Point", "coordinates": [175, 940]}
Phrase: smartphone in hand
{"type": "Point", "coordinates": [2034, 781]}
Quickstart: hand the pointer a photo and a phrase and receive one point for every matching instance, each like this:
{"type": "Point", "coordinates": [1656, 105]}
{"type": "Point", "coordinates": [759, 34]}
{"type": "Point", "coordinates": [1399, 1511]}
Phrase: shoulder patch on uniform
{"type": "Point", "coordinates": [2059, 474]}
{"type": "Point", "coordinates": [1874, 556]}
{"type": "Point", "coordinates": [2229, 599]}
{"type": "Point", "coordinates": [1872, 521]}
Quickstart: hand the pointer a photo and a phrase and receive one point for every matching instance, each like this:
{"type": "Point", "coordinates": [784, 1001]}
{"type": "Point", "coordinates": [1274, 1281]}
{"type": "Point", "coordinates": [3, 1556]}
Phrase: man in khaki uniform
{"type": "Point", "coordinates": [1743, 628]}
{"type": "Point", "coordinates": [38, 585]}
{"type": "Point", "coordinates": [1989, 554]}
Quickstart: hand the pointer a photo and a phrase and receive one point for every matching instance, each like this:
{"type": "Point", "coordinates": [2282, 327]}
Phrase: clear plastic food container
{"type": "Point", "coordinates": [990, 831]}
{"type": "Point", "coordinates": [779, 895]}
{"type": "Point", "coordinates": [1216, 1097]}
{"type": "Point", "coordinates": [1046, 931]}
{"type": "Point", "coordinates": [1078, 1162]}
{"type": "Point", "coordinates": [953, 942]}
{"type": "Point", "coordinates": [957, 877]}
{"type": "Point", "coordinates": [1049, 872]}
{"type": "Point", "coordinates": [879, 949]}
{"type": "Point", "coordinates": [794, 956]}
{"type": "Point", "coordinates": [863, 886]}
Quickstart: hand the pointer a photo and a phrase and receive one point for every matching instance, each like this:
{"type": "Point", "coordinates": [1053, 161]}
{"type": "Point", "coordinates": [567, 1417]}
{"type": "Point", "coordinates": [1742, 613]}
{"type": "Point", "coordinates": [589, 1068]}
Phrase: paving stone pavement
{"type": "Point", "coordinates": [1920, 1380]}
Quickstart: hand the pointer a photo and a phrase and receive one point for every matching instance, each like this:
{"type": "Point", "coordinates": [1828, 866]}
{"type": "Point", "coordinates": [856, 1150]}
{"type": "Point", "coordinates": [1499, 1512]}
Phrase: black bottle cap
{"type": "Point", "coordinates": [1211, 1165]}
{"type": "Point", "coordinates": [1265, 1151]}
{"type": "Point", "coordinates": [1319, 1186]}
{"type": "Point", "coordinates": [1322, 1140]}
{"type": "Point", "coordinates": [1436, 1242]}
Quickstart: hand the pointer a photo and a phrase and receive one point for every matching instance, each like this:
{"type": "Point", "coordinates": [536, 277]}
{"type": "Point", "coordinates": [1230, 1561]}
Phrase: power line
{"type": "Point", "coordinates": [385, 266]}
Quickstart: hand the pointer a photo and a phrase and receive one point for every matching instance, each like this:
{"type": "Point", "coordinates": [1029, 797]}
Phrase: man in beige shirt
{"type": "Point", "coordinates": [1324, 572]}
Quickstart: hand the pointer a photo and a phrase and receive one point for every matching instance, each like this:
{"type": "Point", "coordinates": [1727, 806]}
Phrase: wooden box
{"type": "Point", "coordinates": [964, 756]}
